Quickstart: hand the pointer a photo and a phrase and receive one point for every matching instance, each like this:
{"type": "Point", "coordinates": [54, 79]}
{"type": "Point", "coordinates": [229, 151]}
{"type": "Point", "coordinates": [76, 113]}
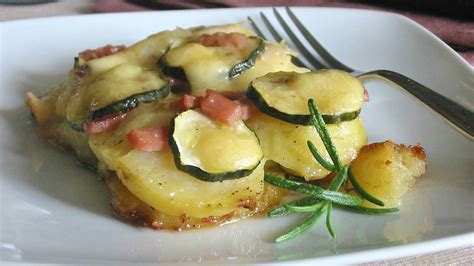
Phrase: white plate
{"type": "Point", "coordinates": [52, 210]}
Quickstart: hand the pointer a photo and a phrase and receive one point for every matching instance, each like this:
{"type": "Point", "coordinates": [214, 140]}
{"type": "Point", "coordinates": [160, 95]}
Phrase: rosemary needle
{"type": "Point", "coordinates": [303, 226]}
{"type": "Point", "coordinates": [338, 180]}
{"type": "Point", "coordinates": [335, 185]}
{"type": "Point", "coordinates": [318, 123]}
{"type": "Point", "coordinates": [328, 220]}
{"type": "Point", "coordinates": [282, 210]}
{"type": "Point", "coordinates": [305, 208]}
{"type": "Point", "coordinates": [371, 210]}
{"type": "Point", "coordinates": [278, 212]}
{"type": "Point", "coordinates": [319, 157]}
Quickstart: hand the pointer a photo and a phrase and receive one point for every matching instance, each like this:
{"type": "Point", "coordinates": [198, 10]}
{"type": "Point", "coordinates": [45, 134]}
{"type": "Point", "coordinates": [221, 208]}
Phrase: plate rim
{"type": "Point", "coordinates": [411, 249]}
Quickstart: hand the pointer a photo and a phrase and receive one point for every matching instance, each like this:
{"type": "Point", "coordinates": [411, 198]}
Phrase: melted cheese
{"type": "Point", "coordinates": [144, 53]}
{"type": "Point", "coordinates": [208, 67]}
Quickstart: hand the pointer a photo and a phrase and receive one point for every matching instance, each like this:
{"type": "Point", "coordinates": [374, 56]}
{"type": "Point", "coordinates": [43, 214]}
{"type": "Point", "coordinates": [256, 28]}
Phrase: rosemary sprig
{"type": "Point", "coordinates": [313, 190]}
{"type": "Point", "coordinates": [302, 227]}
{"type": "Point", "coordinates": [320, 200]}
{"type": "Point", "coordinates": [318, 122]}
{"type": "Point", "coordinates": [286, 209]}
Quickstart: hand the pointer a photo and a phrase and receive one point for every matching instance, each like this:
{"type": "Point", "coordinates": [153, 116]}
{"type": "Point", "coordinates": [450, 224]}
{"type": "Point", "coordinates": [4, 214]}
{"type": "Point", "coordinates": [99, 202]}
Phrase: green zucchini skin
{"type": "Point", "coordinates": [80, 66]}
{"type": "Point", "coordinates": [248, 63]}
{"type": "Point", "coordinates": [124, 105]}
{"type": "Point", "coordinates": [257, 99]}
{"type": "Point", "coordinates": [79, 63]}
{"type": "Point", "coordinates": [172, 71]}
{"type": "Point", "coordinates": [178, 72]}
{"type": "Point", "coordinates": [198, 172]}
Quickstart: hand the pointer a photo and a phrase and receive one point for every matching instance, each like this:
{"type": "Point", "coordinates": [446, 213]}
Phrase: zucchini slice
{"type": "Point", "coordinates": [79, 64]}
{"type": "Point", "coordinates": [166, 69]}
{"type": "Point", "coordinates": [255, 48]}
{"type": "Point", "coordinates": [285, 95]}
{"type": "Point", "coordinates": [203, 67]}
{"type": "Point", "coordinates": [212, 151]}
{"type": "Point", "coordinates": [230, 60]}
{"type": "Point", "coordinates": [119, 89]}
{"type": "Point", "coordinates": [144, 53]}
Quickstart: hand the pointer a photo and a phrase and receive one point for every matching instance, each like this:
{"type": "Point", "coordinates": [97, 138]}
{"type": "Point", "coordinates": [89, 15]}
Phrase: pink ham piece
{"type": "Point", "coordinates": [220, 108]}
{"type": "Point", "coordinates": [101, 52]}
{"type": "Point", "coordinates": [149, 139]}
{"type": "Point", "coordinates": [106, 123]}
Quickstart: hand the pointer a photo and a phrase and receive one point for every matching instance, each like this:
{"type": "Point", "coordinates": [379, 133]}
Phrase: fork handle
{"type": "Point", "coordinates": [459, 116]}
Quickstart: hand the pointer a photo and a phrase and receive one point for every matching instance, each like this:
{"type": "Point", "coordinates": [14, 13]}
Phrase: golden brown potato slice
{"type": "Point", "coordinates": [133, 210]}
{"type": "Point", "coordinates": [388, 170]}
{"type": "Point", "coordinates": [285, 143]}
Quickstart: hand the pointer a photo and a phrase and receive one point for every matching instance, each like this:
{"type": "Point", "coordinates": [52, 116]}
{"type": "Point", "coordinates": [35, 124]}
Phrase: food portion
{"type": "Point", "coordinates": [189, 127]}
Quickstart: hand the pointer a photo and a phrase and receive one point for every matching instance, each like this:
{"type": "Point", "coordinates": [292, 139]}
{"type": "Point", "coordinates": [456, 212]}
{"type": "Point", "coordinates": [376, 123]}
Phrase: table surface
{"type": "Point", "coordinates": [458, 256]}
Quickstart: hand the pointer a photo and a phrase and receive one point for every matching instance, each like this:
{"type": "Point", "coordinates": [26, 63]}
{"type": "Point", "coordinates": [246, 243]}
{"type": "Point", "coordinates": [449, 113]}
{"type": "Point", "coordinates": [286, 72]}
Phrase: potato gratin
{"type": "Point", "coordinates": [184, 124]}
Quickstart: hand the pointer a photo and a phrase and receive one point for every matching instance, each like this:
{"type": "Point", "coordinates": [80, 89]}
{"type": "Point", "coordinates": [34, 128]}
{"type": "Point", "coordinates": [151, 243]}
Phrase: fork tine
{"type": "Point", "coordinates": [312, 60]}
{"type": "Point", "coordinates": [325, 55]}
{"type": "Point", "coordinates": [270, 27]}
{"type": "Point", "coordinates": [256, 28]}
{"type": "Point", "coordinates": [275, 35]}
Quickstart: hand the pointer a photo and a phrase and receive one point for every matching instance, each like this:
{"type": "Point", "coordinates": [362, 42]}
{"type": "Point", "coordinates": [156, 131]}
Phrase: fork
{"type": "Point", "coordinates": [458, 116]}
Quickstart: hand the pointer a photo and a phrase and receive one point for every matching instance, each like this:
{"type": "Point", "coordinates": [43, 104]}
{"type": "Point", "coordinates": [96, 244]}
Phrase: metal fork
{"type": "Point", "coordinates": [459, 117]}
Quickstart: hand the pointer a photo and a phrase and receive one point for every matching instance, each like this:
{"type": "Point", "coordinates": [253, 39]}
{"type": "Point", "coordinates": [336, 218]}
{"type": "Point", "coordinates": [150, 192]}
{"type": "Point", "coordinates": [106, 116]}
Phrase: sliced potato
{"type": "Point", "coordinates": [388, 170]}
{"type": "Point", "coordinates": [135, 211]}
{"type": "Point", "coordinates": [285, 143]}
{"type": "Point", "coordinates": [49, 115]}
{"type": "Point", "coordinates": [110, 145]}
{"type": "Point", "coordinates": [154, 179]}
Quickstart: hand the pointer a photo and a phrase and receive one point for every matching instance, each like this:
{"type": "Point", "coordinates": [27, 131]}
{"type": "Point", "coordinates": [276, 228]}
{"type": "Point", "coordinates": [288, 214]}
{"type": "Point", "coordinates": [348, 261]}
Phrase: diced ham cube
{"type": "Point", "coordinates": [149, 139]}
{"type": "Point", "coordinates": [220, 108]}
{"type": "Point", "coordinates": [366, 95]}
{"type": "Point", "coordinates": [247, 109]}
{"type": "Point", "coordinates": [235, 39]}
{"type": "Point", "coordinates": [101, 52]}
{"type": "Point", "coordinates": [106, 123]}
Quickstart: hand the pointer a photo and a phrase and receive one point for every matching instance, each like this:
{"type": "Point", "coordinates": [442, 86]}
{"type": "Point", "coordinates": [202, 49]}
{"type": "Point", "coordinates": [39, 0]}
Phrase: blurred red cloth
{"type": "Point", "coordinates": [457, 32]}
